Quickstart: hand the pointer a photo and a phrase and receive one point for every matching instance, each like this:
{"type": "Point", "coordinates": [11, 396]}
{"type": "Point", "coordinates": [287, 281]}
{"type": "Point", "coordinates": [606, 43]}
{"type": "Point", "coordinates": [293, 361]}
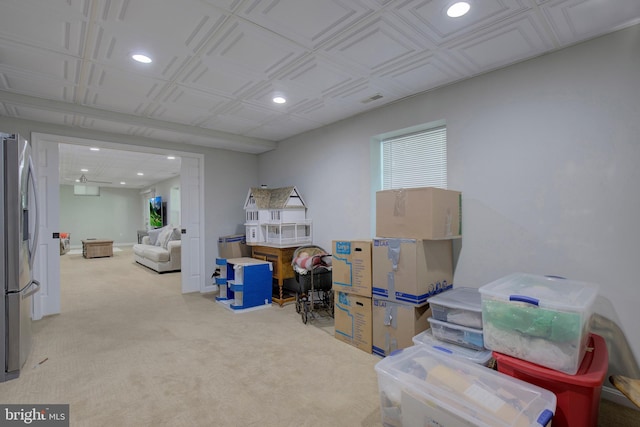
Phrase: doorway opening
{"type": "Point", "coordinates": [48, 264]}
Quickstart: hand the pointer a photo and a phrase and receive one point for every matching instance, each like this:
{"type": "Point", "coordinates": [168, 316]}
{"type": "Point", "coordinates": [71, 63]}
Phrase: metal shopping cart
{"type": "Point", "coordinates": [312, 267]}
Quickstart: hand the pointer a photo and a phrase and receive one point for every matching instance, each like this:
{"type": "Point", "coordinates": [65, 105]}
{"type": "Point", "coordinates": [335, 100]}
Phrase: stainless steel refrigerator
{"type": "Point", "coordinates": [19, 219]}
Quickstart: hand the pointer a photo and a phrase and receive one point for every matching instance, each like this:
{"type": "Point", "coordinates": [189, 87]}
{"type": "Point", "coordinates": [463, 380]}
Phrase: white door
{"type": "Point", "coordinates": [191, 209]}
{"type": "Point", "coordinates": [46, 267]}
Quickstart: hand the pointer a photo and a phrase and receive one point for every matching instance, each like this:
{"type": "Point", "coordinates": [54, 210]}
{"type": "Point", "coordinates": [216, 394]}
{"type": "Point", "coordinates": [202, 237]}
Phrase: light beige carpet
{"type": "Point", "coordinates": [129, 350]}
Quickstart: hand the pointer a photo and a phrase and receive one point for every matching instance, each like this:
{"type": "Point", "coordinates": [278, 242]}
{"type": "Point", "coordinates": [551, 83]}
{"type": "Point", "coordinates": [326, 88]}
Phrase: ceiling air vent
{"type": "Point", "coordinates": [372, 98]}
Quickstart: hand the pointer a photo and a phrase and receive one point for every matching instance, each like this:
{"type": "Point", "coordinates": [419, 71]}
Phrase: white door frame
{"type": "Point", "coordinates": [47, 262]}
{"type": "Point", "coordinates": [191, 214]}
{"type": "Point", "coordinates": [49, 300]}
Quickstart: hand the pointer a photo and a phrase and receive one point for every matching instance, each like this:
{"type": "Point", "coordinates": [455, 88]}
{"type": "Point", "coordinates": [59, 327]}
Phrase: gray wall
{"type": "Point", "coordinates": [117, 214]}
{"type": "Point", "coordinates": [163, 189]}
{"type": "Point", "coordinates": [227, 177]}
{"type": "Point", "coordinates": [112, 215]}
{"type": "Point", "coordinates": [546, 155]}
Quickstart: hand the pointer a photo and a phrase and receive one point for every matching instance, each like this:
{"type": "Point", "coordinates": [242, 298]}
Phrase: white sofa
{"type": "Point", "coordinates": [161, 250]}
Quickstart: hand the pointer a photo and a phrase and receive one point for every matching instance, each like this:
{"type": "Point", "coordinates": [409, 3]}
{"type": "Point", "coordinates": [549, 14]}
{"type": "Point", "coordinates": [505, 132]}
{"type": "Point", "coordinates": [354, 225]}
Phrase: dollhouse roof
{"type": "Point", "coordinates": [274, 198]}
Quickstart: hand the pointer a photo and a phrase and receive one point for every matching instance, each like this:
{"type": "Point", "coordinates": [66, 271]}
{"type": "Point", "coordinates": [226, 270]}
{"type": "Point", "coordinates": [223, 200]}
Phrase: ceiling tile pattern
{"type": "Point", "coordinates": [98, 167]}
{"type": "Point", "coordinates": [218, 63]}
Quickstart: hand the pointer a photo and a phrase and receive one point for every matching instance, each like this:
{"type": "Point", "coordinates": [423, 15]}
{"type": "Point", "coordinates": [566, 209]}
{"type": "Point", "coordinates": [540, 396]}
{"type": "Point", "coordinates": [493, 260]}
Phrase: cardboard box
{"type": "Point", "coordinates": [395, 325]}
{"type": "Point", "coordinates": [410, 271]}
{"type": "Point", "coordinates": [351, 269]}
{"type": "Point", "coordinates": [419, 213]}
{"type": "Point", "coordinates": [352, 319]}
{"type": "Point", "coordinates": [234, 246]}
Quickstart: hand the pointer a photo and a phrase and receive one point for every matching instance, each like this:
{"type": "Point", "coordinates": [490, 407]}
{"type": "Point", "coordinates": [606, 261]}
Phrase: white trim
{"type": "Point", "coordinates": [216, 138]}
{"type": "Point", "coordinates": [111, 145]}
{"type": "Point", "coordinates": [44, 137]}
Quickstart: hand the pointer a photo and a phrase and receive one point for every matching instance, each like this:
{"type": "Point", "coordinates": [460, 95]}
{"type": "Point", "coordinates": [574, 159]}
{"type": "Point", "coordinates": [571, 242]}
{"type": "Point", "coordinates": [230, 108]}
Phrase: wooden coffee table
{"type": "Point", "coordinates": [96, 248]}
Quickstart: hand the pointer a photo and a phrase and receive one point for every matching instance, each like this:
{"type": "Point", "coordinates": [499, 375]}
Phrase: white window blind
{"type": "Point", "coordinates": [415, 160]}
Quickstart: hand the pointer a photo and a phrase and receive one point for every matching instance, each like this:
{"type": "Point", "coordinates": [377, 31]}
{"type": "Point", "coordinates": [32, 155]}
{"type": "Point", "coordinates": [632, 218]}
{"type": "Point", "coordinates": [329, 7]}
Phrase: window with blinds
{"type": "Point", "coordinates": [415, 160]}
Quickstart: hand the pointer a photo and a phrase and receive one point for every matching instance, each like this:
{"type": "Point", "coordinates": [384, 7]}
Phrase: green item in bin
{"type": "Point", "coordinates": [538, 322]}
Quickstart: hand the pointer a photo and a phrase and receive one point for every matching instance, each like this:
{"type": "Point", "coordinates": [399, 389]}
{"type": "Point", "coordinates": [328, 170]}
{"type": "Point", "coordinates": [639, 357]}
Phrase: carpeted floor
{"type": "Point", "coordinates": [129, 350]}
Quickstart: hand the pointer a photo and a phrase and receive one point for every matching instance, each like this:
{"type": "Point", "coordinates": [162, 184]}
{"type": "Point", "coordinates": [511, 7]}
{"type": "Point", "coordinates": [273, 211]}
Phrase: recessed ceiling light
{"type": "Point", "coordinates": [458, 9]}
{"type": "Point", "coordinates": [122, 183]}
{"type": "Point", "coordinates": [279, 100]}
{"type": "Point", "coordinates": [94, 149]}
{"type": "Point", "coordinates": [171, 157]}
{"type": "Point", "coordinates": [84, 170]}
{"type": "Point", "coordinates": [141, 58]}
{"type": "Point", "coordinates": [140, 174]}
{"type": "Point", "coordinates": [77, 180]}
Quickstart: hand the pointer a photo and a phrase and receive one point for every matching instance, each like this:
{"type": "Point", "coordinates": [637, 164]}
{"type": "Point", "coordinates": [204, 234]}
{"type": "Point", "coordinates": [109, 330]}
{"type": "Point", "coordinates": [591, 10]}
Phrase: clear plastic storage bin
{"type": "Point", "coordinates": [422, 387]}
{"type": "Point", "coordinates": [461, 335]}
{"type": "Point", "coordinates": [543, 320]}
{"type": "Point", "coordinates": [462, 306]}
{"type": "Point", "coordinates": [481, 357]}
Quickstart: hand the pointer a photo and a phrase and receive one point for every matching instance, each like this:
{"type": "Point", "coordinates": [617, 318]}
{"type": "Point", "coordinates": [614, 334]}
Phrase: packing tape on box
{"type": "Point", "coordinates": [393, 252]}
{"type": "Point", "coordinates": [391, 316]}
{"type": "Point", "coordinates": [390, 344]}
{"type": "Point", "coordinates": [399, 203]}
{"type": "Point", "coordinates": [391, 284]}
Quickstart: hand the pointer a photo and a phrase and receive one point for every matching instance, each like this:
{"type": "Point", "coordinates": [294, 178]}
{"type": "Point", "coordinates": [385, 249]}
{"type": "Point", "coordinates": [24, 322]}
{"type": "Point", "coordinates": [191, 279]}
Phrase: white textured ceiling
{"type": "Point", "coordinates": [218, 63]}
{"type": "Point", "coordinates": [114, 168]}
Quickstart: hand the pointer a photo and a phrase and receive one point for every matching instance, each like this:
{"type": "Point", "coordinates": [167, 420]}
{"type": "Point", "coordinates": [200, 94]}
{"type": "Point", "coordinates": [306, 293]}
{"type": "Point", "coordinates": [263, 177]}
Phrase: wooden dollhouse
{"type": "Point", "coordinates": [276, 217]}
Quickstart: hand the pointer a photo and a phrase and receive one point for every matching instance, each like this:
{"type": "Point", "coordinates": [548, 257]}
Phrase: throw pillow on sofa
{"type": "Point", "coordinates": [165, 236]}
{"type": "Point", "coordinates": [153, 236]}
{"type": "Point", "coordinates": [177, 234]}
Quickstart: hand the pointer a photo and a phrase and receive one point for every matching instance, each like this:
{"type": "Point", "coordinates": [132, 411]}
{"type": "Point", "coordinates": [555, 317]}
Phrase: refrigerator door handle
{"type": "Point", "coordinates": [27, 286]}
{"type": "Point", "coordinates": [35, 289]}
{"type": "Point", "coordinates": [36, 231]}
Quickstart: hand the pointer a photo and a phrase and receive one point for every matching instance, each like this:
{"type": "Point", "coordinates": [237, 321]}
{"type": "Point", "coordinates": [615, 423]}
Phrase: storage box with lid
{"type": "Point", "coordinates": [395, 324]}
{"type": "Point", "coordinates": [457, 334]}
{"type": "Point", "coordinates": [419, 213]}
{"type": "Point", "coordinates": [233, 246]}
{"type": "Point", "coordinates": [460, 305]}
{"type": "Point", "coordinates": [422, 387]}
{"type": "Point", "coordinates": [541, 319]}
{"type": "Point", "coordinates": [351, 263]}
{"type": "Point", "coordinates": [578, 395]}
{"type": "Point", "coordinates": [481, 357]}
{"type": "Point", "coordinates": [352, 320]}
{"type": "Point", "coordinates": [410, 271]}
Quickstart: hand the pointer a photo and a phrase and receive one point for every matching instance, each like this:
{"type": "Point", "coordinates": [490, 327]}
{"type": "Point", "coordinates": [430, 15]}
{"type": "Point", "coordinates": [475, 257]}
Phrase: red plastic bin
{"type": "Point", "coordinates": [578, 396]}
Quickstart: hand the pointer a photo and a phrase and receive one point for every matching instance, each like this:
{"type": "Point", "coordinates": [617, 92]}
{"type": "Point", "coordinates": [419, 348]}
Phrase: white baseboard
{"type": "Point", "coordinates": [614, 395]}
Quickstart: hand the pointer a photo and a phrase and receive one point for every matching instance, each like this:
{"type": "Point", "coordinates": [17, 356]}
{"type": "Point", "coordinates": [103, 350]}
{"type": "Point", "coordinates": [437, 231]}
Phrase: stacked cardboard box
{"type": "Point", "coordinates": [233, 246]}
{"type": "Point", "coordinates": [412, 260]}
{"type": "Point", "coordinates": [351, 275]}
